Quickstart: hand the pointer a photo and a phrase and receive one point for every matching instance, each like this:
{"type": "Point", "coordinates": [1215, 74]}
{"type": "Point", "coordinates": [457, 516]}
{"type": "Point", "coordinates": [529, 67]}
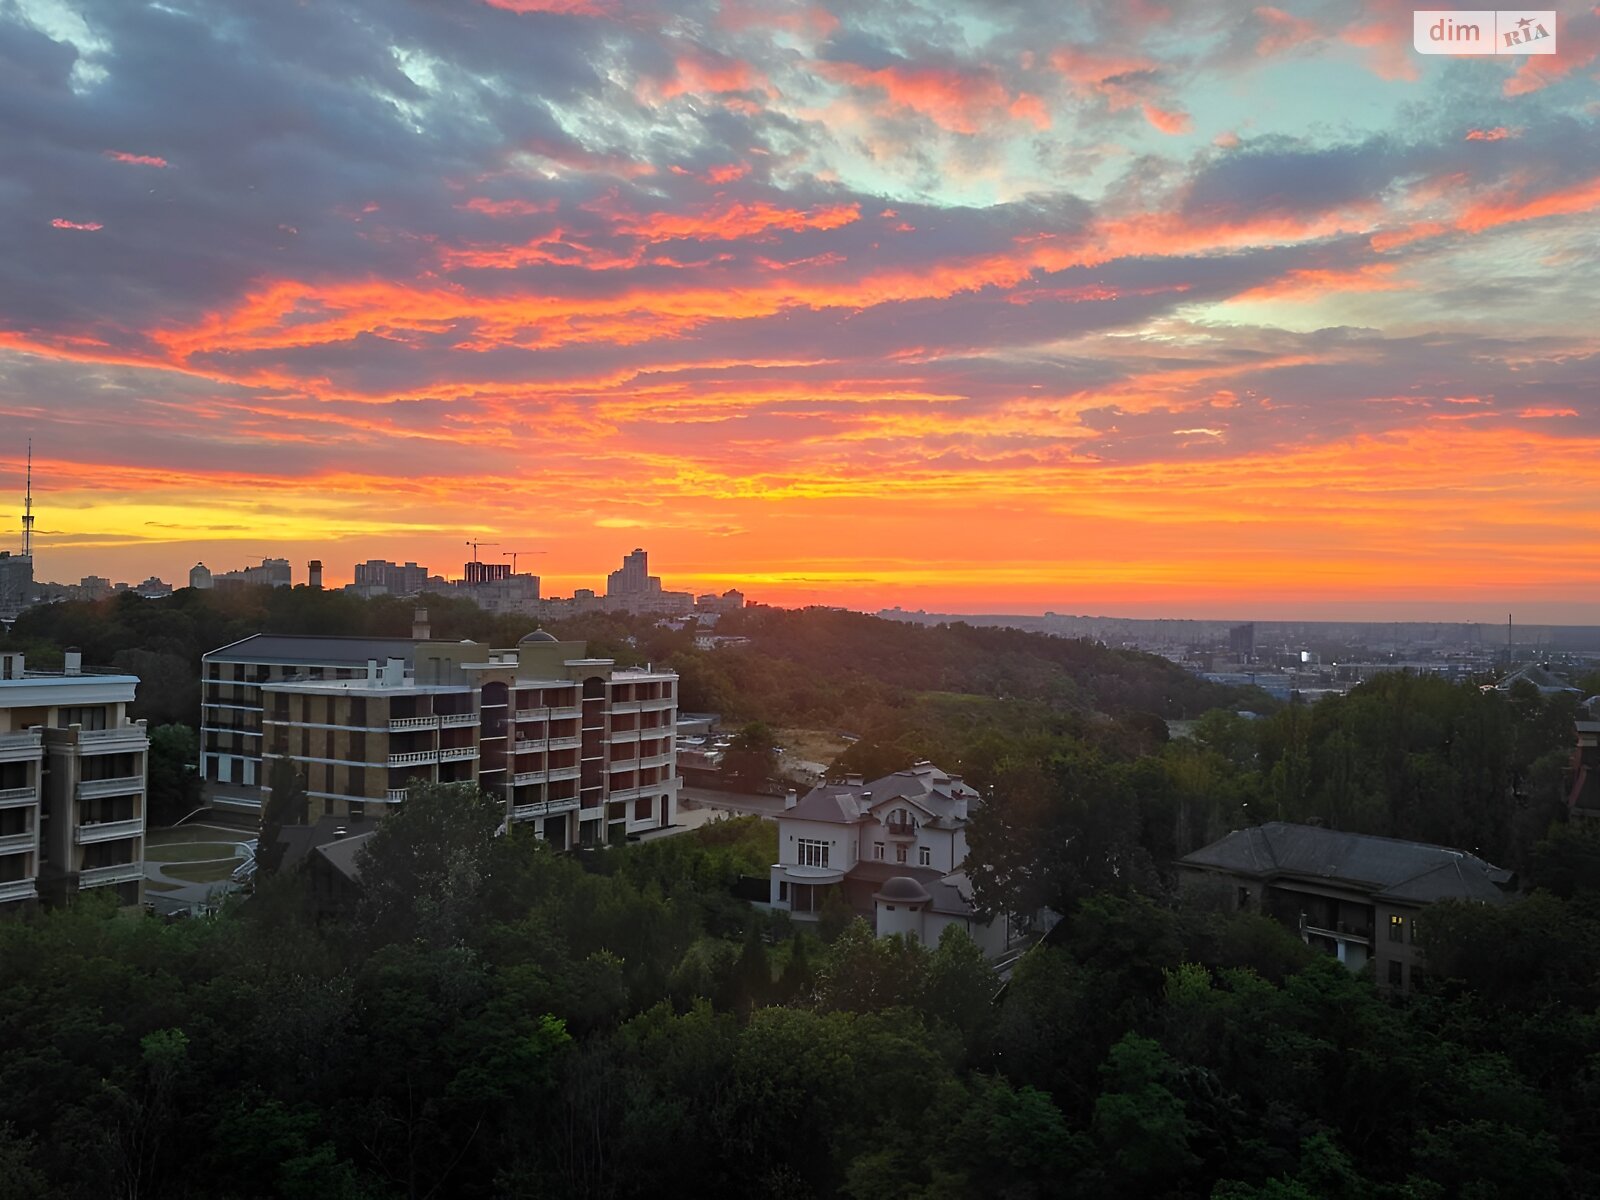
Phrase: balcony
{"type": "Point", "coordinates": [13, 842]}
{"type": "Point", "coordinates": [545, 808]}
{"type": "Point", "coordinates": [17, 889]}
{"type": "Point", "coordinates": [107, 831]}
{"type": "Point", "coordinates": [530, 746]}
{"type": "Point", "coordinates": [28, 743]}
{"type": "Point", "coordinates": [105, 741]}
{"type": "Point", "coordinates": [530, 714]}
{"type": "Point", "coordinates": [626, 706]}
{"type": "Point", "coordinates": [13, 797]}
{"type": "Point", "coordinates": [656, 760]}
{"type": "Point", "coordinates": [902, 830]}
{"type": "Point", "coordinates": [89, 789]}
{"type": "Point", "coordinates": [565, 743]}
{"type": "Point", "coordinates": [1344, 933]}
{"type": "Point", "coordinates": [394, 795]}
{"type": "Point", "coordinates": [524, 777]}
{"type": "Point", "coordinates": [457, 753]}
{"type": "Point", "coordinates": [116, 873]}
{"type": "Point", "coordinates": [628, 793]}
{"type": "Point", "coordinates": [620, 737]}
{"type": "Point", "coordinates": [458, 720]}
{"type": "Point", "coordinates": [559, 773]}
{"type": "Point", "coordinates": [412, 758]}
{"type": "Point", "coordinates": [657, 705]}
{"type": "Point", "coordinates": [566, 714]}
{"type": "Point", "coordinates": [397, 724]}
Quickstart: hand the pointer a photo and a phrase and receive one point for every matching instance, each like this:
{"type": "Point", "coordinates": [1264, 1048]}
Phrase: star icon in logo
{"type": "Point", "coordinates": [1525, 22]}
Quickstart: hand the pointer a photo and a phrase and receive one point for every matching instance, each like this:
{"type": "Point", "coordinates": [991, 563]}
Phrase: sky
{"type": "Point", "coordinates": [1131, 307]}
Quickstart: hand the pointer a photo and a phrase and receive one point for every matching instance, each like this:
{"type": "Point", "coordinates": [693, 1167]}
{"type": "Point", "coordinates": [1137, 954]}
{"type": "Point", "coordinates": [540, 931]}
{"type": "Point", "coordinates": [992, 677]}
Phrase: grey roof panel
{"type": "Point", "coordinates": [1392, 867]}
{"type": "Point", "coordinates": [312, 648]}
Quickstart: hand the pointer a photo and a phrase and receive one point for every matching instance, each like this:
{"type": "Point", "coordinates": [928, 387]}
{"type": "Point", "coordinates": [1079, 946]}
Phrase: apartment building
{"type": "Point", "coordinates": [231, 680]}
{"type": "Point", "coordinates": [72, 783]}
{"type": "Point", "coordinates": [1355, 896]}
{"type": "Point", "coordinates": [583, 749]}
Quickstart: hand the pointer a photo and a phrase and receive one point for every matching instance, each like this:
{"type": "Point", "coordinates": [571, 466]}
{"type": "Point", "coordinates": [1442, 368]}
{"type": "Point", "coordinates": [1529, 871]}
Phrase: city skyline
{"type": "Point", "coordinates": [970, 308]}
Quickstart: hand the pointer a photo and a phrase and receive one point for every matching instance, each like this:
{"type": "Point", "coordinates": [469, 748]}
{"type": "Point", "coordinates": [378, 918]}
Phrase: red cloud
{"type": "Point", "coordinates": [960, 101]}
{"type": "Point", "coordinates": [704, 74]}
{"type": "Point", "coordinates": [1498, 133]}
{"type": "Point", "coordinates": [730, 222]}
{"type": "Point", "coordinates": [1504, 209]}
{"type": "Point", "coordinates": [1168, 121]}
{"type": "Point", "coordinates": [1122, 81]}
{"type": "Point", "coordinates": [565, 8]}
{"type": "Point", "coordinates": [63, 223]}
{"type": "Point", "coordinates": [139, 160]}
{"type": "Point", "coordinates": [1283, 31]}
{"type": "Point", "coordinates": [727, 173]}
{"type": "Point", "coordinates": [507, 208]}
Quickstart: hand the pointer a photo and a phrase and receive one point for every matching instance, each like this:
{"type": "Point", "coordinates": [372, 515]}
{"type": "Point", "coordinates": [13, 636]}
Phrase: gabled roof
{"type": "Point", "coordinates": [342, 855]}
{"type": "Point", "coordinates": [1388, 868]}
{"type": "Point", "coordinates": [924, 786]}
{"type": "Point", "coordinates": [1542, 678]}
{"type": "Point", "coordinates": [312, 648]}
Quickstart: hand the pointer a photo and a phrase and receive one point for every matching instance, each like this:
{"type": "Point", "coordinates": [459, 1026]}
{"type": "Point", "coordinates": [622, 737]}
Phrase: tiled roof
{"type": "Point", "coordinates": [1386, 867]}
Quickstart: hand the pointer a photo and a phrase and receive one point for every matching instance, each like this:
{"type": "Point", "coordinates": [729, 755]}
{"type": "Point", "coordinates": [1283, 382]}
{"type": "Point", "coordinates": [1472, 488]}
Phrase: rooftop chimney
{"type": "Point", "coordinates": [790, 799]}
{"type": "Point", "coordinates": [419, 626]}
{"type": "Point", "coordinates": [72, 661]}
{"type": "Point", "coordinates": [315, 577]}
{"type": "Point", "coordinates": [339, 832]}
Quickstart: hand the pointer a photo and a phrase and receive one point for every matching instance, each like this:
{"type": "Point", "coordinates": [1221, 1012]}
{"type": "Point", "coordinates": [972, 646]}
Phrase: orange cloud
{"type": "Point", "coordinates": [507, 208]}
{"type": "Point", "coordinates": [704, 74]}
{"type": "Point", "coordinates": [1168, 121]}
{"type": "Point", "coordinates": [1311, 283]}
{"type": "Point", "coordinates": [1284, 31]}
{"type": "Point", "coordinates": [566, 8]}
{"type": "Point", "coordinates": [1508, 207]}
{"type": "Point", "coordinates": [138, 160]}
{"type": "Point", "coordinates": [1498, 133]}
{"type": "Point", "coordinates": [63, 223]}
{"type": "Point", "coordinates": [959, 101]}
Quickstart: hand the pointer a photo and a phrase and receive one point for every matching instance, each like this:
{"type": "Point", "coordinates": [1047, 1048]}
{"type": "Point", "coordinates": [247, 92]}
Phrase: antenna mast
{"type": "Point", "coordinates": [27, 508]}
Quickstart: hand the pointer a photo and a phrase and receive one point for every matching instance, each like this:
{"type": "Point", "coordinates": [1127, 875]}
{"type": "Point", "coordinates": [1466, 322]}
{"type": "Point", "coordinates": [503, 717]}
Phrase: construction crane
{"type": "Point", "coordinates": [475, 546]}
{"type": "Point", "coordinates": [513, 554]}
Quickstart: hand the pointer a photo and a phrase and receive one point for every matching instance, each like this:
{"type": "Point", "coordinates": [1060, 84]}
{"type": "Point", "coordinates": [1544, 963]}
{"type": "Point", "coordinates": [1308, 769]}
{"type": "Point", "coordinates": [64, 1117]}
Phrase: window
{"type": "Point", "coordinates": [1397, 929]}
{"type": "Point", "coordinates": [813, 852]}
{"type": "Point", "coordinates": [877, 851]}
{"type": "Point", "coordinates": [783, 890]}
{"type": "Point", "coordinates": [899, 854]}
{"type": "Point", "coordinates": [1396, 972]}
{"type": "Point", "coordinates": [924, 857]}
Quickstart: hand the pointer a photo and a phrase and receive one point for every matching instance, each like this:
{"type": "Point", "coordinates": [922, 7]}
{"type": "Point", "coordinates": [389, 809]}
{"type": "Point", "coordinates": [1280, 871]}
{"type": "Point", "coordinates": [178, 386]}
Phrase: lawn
{"type": "Point", "coordinates": [190, 852]}
{"type": "Point", "coordinates": [812, 745]}
{"type": "Point", "coordinates": [204, 872]}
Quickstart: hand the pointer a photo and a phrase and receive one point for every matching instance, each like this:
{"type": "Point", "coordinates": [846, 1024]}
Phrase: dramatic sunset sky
{"type": "Point", "coordinates": [1127, 307]}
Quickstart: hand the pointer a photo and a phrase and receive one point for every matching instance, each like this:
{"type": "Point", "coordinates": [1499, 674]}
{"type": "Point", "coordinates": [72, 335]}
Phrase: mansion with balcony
{"type": "Point", "coordinates": [72, 783]}
{"type": "Point", "coordinates": [892, 850]}
{"type": "Point", "coordinates": [1355, 896]}
{"type": "Point", "coordinates": [578, 747]}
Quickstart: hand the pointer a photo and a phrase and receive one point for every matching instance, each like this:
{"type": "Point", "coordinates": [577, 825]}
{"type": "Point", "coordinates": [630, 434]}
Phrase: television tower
{"type": "Point", "coordinates": [27, 508]}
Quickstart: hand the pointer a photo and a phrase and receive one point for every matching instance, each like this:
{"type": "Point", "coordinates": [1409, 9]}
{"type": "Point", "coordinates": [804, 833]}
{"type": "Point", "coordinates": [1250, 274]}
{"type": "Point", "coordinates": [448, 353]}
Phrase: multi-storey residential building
{"type": "Point", "coordinates": [892, 849]}
{"type": "Point", "coordinates": [1356, 896]}
{"type": "Point", "coordinates": [230, 702]}
{"type": "Point", "coordinates": [578, 745]}
{"type": "Point", "coordinates": [72, 783]}
{"type": "Point", "coordinates": [1583, 776]}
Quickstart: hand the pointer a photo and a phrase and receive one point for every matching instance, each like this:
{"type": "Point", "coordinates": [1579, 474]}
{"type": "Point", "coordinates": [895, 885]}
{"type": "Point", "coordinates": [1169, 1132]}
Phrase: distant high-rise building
{"type": "Point", "coordinates": [200, 577]}
{"type": "Point", "coordinates": [485, 572]}
{"type": "Point", "coordinates": [632, 578]}
{"type": "Point", "coordinates": [1242, 640]}
{"type": "Point", "coordinates": [273, 572]}
{"type": "Point", "coordinates": [16, 582]}
{"type": "Point", "coordinates": [379, 576]}
{"type": "Point", "coordinates": [314, 573]}
{"type": "Point", "coordinates": [94, 587]}
{"type": "Point", "coordinates": [154, 587]}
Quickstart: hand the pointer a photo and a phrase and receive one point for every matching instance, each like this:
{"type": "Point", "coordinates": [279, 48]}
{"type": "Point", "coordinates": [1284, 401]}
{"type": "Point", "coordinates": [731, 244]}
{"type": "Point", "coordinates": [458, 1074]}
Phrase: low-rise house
{"type": "Point", "coordinates": [1356, 896]}
{"type": "Point", "coordinates": [891, 849]}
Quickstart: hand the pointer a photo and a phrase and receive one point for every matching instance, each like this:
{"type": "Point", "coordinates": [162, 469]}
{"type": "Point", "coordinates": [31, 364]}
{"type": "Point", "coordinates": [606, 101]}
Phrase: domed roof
{"type": "Point", "coordinates": [538, 635]}
{"type": "Point", "coordinates": [904, 889]}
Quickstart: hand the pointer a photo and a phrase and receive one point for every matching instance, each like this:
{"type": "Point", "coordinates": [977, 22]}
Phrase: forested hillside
{"type": "Point", "coordinates": [496, 1020]}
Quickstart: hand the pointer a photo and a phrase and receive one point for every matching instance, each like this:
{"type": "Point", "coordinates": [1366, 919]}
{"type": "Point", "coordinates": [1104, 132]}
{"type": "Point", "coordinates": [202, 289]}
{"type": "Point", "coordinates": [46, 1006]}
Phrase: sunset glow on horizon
{"type": "Point", "coordinates": [1136, 308]}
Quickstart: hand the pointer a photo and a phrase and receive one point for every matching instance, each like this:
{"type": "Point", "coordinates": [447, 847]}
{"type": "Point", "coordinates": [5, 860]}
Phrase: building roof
{"type": "Point", "coordinates": [300, 840]}
{"type": "Point", "coordinates": [538, 635]}
{"type": "Point", "coordinates": [312, 648]}
{"type": "Point", "coordinates": [1388, 868]}
{"type": "Point", "coordinates": [1542, 678]}
{"type": "Point", "coordinates": [903, 890]}
{"type": "Point", "coordinates": [344, 855]}
{"type": "Point", "coordinates": [938, 795]}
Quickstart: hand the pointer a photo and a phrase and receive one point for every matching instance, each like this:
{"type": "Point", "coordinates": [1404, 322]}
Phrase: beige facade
{"type": "Point", "coordinates": [578, 747]}
{"type": "Point", "coordinates": [72, 784]}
